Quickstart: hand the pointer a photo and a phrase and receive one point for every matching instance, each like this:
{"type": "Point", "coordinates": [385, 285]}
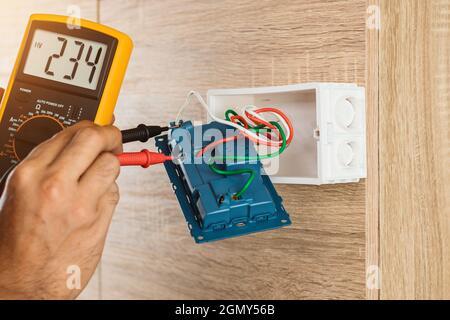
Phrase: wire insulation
{"type": "Point", "coordinates": [251, 124]}
{"type": "Point", "coordinates": [238, 194]}
{"type": "Point", "coordinates": [205, 106]}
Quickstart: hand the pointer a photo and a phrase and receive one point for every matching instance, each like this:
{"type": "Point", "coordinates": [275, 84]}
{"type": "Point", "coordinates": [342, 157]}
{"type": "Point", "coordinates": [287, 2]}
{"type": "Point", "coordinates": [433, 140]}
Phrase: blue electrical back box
{"type": "Point", "coordinates": [206, 198]}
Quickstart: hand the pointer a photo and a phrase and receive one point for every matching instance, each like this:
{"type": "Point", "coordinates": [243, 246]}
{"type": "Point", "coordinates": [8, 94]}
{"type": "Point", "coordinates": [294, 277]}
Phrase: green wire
{"type": "Point", "coordinates": [215, 169]}
{"type": "Point", "coordinates": [238, 194]}
{"type": "Point", "coordinates": [265, 156]}
{"type": "Point", "coordinates": [227, 114]}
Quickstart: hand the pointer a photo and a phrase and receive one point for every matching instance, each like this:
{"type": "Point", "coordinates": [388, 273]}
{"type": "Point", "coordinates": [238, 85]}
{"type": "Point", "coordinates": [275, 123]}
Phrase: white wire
{"type": "Point", "coordinates": [284, 123]}
{"type": "Point", "coordinates": [205, 106]}
{"type": "Point", "coordinates": [260, 116]}
{"type": "Point", "coordinates": [249, 110]}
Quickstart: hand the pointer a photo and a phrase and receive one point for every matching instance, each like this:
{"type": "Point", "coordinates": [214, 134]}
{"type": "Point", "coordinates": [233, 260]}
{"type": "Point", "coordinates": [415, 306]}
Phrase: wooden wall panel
{"type": "Point", "coordinates": [373, 25]}
{"type": "Point", "coordinates": [13, 21]}
{"type": "Point", "coordinates": [183, 45]}
{"type": "Point", "coordinates": [414, 149]}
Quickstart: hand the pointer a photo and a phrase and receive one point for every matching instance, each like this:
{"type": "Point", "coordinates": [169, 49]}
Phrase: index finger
{"type": "Point", "coordinates": [86, 145]}
{"type": "Point", "coordinates": [47, 151]}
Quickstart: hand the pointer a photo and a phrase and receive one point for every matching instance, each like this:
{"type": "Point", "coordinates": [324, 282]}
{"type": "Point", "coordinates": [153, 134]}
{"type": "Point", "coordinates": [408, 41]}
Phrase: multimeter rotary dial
{"type": "Point", "coordinates": [32, 132]}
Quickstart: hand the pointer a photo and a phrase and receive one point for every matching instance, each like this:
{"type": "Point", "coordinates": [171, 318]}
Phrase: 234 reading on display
{"type": "Point", "coordinates": [65, 59]}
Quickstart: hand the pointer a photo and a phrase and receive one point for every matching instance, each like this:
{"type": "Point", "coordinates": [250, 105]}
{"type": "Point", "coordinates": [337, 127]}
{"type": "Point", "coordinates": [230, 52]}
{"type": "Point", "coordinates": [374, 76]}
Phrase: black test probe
{"type": "Point", "coordinates": [143, 158]}
{"type": "Point", "coordinates": [142, 133]}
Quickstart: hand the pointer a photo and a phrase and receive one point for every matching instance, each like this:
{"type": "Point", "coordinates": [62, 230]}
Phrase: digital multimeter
{"type": "Point", "coordinates": [64, 73]}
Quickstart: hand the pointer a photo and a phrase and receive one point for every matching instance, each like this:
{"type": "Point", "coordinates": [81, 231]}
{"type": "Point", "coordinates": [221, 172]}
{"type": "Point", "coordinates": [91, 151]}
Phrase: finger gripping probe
{"type": "Point", "coordinates": [145, 158]}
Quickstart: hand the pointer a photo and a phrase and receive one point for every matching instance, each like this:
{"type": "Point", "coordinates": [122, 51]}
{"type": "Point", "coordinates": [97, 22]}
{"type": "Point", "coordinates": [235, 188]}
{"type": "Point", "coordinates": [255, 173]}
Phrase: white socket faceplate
{"type": "Point", "coordinates": [329, 143]}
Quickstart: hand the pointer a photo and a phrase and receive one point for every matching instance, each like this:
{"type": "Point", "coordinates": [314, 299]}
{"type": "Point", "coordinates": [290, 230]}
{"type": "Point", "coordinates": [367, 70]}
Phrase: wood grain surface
{"type": "Point", "coordinates": [414, 149]}
{"type": "Point", "coordinates": [399, 221]}
{"type": "Point", "coordinates": [184, 45]}
{"type": "Point", "coordinates": [373, 25]}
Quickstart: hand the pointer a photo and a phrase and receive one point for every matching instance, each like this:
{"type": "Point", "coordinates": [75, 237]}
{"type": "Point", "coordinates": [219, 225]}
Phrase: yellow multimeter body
{"type": "Point", "coordinates": [64, 73]}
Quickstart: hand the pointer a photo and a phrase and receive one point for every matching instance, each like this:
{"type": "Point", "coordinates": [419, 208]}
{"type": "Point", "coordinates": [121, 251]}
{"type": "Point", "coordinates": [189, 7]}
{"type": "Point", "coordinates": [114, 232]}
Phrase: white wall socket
{"type": "Point", "coordinates": [330, 129]}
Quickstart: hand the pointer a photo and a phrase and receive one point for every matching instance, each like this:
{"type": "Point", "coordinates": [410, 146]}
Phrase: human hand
{"type": "Point", "coordinates": [56, 210]}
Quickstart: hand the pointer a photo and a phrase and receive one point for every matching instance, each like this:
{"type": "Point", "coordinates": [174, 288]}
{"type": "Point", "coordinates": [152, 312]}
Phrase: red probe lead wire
{"type": "Point", "coordinates": [145, 158]}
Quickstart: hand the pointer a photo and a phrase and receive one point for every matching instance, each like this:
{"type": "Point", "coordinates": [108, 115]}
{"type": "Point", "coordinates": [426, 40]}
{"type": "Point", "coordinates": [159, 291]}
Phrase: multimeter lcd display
{"type": "Point", "coordinates": [65, 59]}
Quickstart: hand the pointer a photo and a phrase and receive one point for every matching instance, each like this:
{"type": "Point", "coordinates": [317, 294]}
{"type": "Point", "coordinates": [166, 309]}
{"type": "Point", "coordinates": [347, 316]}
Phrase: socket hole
{"type": "Point", "coordinates": [345, 154]}
{"type": "Point", "coordinates": [345, 113]}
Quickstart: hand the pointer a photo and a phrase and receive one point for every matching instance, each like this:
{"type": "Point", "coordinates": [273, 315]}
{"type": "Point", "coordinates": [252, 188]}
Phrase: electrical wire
{"type": "Point", "coordinates": [255, 118]}
{"type": "Point", "coordinates": [252, 113]}
{"type": "Point", "coordinates": [227, 114]}
{"type": "Point", "coordinates": [264, 156]}
{"type": "Point", "coordinates": [284, 120]}
{"type": "Point", "coordinates": [214, 168]}
{"type": "Point", "coordinates": [235, 157]}
{"type": "Point", "coordinates": [216, 143]}
{"type": "Point", "coordinates": [238, 194]}
{"type": "Point", "coordinates": [248, 132]}
{"type": "Point", "coordinates": [250, 125]}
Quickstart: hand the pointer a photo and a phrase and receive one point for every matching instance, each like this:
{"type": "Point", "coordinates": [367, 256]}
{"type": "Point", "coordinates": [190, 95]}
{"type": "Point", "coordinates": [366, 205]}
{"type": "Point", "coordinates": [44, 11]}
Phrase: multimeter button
{"type": "Point", "coordinates": [23, 95]}
{"type": "Point", "coordinates": [74, 113]}
{"type": "Point", "coordinates": [32, 132]}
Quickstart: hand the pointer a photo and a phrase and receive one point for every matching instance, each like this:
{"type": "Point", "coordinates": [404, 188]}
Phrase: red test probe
{"type": "Point", "coordinates": [145, 158]}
